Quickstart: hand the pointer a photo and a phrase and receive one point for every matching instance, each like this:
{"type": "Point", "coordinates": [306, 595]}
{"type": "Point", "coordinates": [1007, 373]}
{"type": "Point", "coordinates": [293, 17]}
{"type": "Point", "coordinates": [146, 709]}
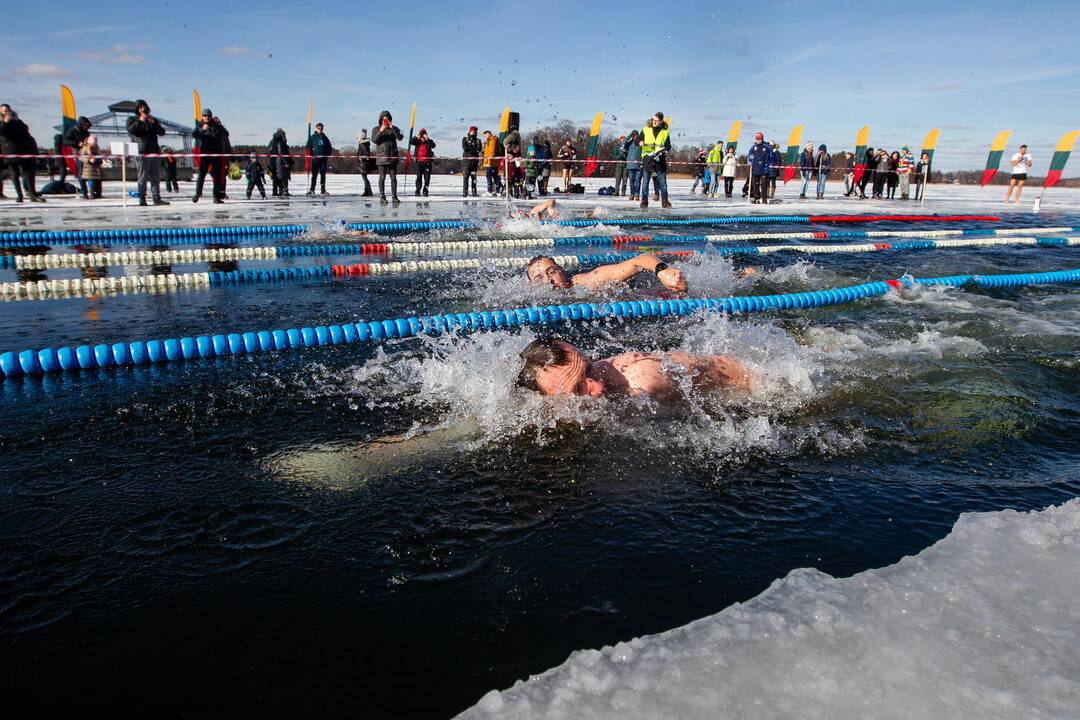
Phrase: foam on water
{"type": "Point", "coordinates": [984, 624]}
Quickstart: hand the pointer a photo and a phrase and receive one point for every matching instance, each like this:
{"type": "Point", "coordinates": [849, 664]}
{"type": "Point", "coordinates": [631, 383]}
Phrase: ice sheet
{"type": "Point", "coordinates": [983, 624]}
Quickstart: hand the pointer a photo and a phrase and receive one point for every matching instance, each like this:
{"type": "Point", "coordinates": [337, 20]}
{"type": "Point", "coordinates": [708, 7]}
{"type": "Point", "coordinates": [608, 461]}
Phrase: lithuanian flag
{"type": "Point", "coordinates": [861, 141]}
{"type": "Point", "coordinates": [67, 109]}
{"type": "Point", "coordinates": [594, 141]}
{"type": "Point", "coordinates": [1061, 156]}
{"type": "Point", "coordinates": [791, 157]}
{"type": "Point", "coordinates": [930, 144]}
{"type": "Point", "coordinates": [408, 148]}
{"type": "Point", "coordinates": [993, 162]}
{"type": "Point", "coordinates": [504, 124]}
{"type": "Point", "coordinates": [198, 116]}
{"type": "Point", "coordinates": [733, 136]}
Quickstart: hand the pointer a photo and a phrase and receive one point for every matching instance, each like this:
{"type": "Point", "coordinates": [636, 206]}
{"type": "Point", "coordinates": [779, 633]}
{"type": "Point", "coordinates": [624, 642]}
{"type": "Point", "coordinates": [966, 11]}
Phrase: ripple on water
{"type": "Point", "coordinates": [200, 539]}
{"type": "Point", "coordinates": [38, 585]}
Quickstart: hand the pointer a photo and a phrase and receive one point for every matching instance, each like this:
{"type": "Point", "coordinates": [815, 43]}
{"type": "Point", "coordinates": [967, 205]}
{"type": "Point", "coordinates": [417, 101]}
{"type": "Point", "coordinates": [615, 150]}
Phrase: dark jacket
{"type": "Point", "coordinates": [254, 171]}
{"type": "Point", "coordinates": [807, 161]}
{"type": "Point", "coordinates": [775, 161]}
{"type": "Point", "coordinates": [512, 143]}
{"type": "Point", "coordinates": [213, 139]}
{"type": "Point", "coordinates": [146, 134]}
{"type": "Point", "coordinates": [758, 157]}
{"type": "Point", "coordinates": [633, 151]}
{"type": "Point", "coordinates": [364, 157]}
{"type": "Point", "coordinates": [428, 147]}
{"type": "Point", "coordinates": [386, 140]}
{"type": "Point", "coordinates": [822, 164]}
{"type": "Point", "coordinates": [319, 145]}
{"type": "Point", "coordinates": [278, 146]}
{"type": "Point", "coordinates": [75, 136]}
{"type": "Point", "coordinates": [471, 149]}
{"type": "Point", "coordinates": [15, 139]}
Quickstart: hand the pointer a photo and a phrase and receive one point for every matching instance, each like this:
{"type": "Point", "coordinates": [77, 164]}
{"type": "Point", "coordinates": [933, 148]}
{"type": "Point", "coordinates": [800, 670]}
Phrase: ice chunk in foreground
{"type": "Point", "coordinates": [984, 624]}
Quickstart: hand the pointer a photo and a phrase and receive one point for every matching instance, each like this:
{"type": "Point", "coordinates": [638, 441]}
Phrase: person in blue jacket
{"type": "Point", "coordinates": [822, 166]}
{"type": "Point", "coordinates": [776, 160]}
{"type": "Point", "coordinates": [321, 150]}
{"type": "Point", "coordinates": [758, 158]}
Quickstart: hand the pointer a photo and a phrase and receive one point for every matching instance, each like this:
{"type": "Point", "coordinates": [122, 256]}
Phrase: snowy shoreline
{"type": "Point", "coordinates": [982, 624]}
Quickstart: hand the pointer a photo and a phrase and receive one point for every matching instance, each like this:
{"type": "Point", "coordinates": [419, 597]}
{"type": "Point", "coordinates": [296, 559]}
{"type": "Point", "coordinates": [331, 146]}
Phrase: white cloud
{"type": "Point", "coordinates": [118, 54]}
{"type": "Point", "coordinates": [39, 70]}
{"type": "Point", "coordinates": [235, 50]}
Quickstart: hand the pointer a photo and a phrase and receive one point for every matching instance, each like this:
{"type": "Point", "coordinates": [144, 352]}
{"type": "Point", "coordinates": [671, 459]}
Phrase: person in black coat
{"type": "Point", "coordinates": [214, 142]}
{"type": "Point", "coordinates": [471, 150]}
{"type": "Point", "coordinates": [15, 139]}
{"type": "Point", "coordinates": [254, 173]}
{"type": "Point", "coordinates": [73, 139]}
{"type": "Point", "coordinates": [385, 136]}
{"type": "Point", "coordinates": [280, 163]}
{"type": "Point", "coordinates": [870, 160]}
{"type": "Point", "coordinates": [145, 130]}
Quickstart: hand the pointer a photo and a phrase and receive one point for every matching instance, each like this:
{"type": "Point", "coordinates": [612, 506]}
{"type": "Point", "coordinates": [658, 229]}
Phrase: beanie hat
{"type": "Point", "coordinates": [143, 103]}
{"type": "Point", "coordinates": [207, 112]}
{"type": "Point", "coordinates": [821, 147]}
{"type": "Point", "coordinates": [759, 136]}
{"type": "Point", "coordinates": [472, 128]}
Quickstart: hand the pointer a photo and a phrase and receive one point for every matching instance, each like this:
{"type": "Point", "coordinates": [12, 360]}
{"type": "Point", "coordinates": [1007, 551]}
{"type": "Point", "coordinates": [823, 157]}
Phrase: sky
{"type": "Point", "coordinates": [971, 68]}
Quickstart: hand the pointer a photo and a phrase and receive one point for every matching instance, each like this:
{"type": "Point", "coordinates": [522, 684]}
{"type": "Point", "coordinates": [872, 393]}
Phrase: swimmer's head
{"type": "Point", "coordinates": [542, 269]}
{"type": "Point", "coordinates": [555, 367]}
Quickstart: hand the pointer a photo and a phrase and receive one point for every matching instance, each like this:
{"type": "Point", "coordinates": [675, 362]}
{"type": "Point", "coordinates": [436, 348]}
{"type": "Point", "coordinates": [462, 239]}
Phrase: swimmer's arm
{"type": "Point", "coordinates": [671, 278]}
{"type": "Point", "coordinates": [714, 371]}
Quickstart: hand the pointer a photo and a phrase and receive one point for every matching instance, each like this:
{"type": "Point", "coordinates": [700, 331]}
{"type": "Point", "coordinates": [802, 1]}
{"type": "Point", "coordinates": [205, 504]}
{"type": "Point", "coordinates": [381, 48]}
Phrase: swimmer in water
{"type": "Point", "coordinates": [555, 367]}
{"type": "Point", "coordinates": [543, 269]}
{"type": "Point", "coordinates": [544, 210]}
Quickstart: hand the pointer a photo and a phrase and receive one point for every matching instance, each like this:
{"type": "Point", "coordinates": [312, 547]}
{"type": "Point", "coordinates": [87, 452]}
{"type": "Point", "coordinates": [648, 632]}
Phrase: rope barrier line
{"type": "Point", "coordinates": [104, 355]}
{"type": "Point", "coordinates": [196, 235]}
{"type": "Point", "coordinates": [165, 282]}
{"type": "Point", "coordinates": [270, 252]}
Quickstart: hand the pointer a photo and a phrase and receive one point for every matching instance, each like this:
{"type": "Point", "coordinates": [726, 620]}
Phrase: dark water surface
{"type": "Point", "coordinates": [224, 537]}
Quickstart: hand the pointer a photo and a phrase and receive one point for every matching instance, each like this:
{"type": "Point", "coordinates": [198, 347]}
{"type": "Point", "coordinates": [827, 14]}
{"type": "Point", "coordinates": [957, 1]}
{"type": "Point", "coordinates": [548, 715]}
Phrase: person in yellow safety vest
{"type": "Point", "coordinates": [715, 162]}
{"type": "Point", "coordinates": [655, 143]}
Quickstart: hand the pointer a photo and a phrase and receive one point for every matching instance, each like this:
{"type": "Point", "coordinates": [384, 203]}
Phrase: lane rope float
{"type": "Point", "coordinates": [164, 282]}
{"type": "Point", "coordinates": [122, 354]}
{"type": "Point", "coordinates": [196, 235]}
{"type": "Point", "coordinates": [273, 252]}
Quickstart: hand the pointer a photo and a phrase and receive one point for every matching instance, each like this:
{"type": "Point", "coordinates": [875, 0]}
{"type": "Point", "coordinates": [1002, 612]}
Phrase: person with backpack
{"type": "Point", "coordinates": [471, 152]}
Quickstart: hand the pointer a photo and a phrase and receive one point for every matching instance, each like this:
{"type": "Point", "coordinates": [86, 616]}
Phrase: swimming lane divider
{"type": "Point", "coordinates": [104, 355]}
{"type": "Point", "coordinates": [198, 235]}
{"type": "Point", "coordinates": [273, 252]}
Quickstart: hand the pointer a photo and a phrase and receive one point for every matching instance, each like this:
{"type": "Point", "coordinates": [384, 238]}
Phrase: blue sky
{"type": "Point", "coordinates": [970, 68]}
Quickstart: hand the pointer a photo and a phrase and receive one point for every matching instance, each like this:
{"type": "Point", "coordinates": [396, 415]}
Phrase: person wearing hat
{"type": "Point", "coordinates": [145, 130]}
{"type": "Point", "coordinates": [806, 167]}
{"type": "Point", "coordinates": [385, 136]}
{"type": "Point", "coordinates": [280, 163]}
{"type": "Point", "coordinates": [318, 146]}
{"type": "Point", "coordinates": [74, 138]}
{"type": "Point", "coordinates": [471, 152]}
{"type": "Point", "coordinates": [213, 140]}
{"type": "Point", "coordinates": [822, 166]}
{"type": "Point", "coordinates": [903, 169]}
{"type": "Point", "coordinates": [758, 158]}
{"type": "Point", "coordinates": [425, 156]}
{"type": "Point", "coordinates": [620, 165]}
{"type": "Point", "coordinates": [254, 173]}
{"type": "Point", "coordinates": [15, 139]}
{"type": "Point", "coordinates": [365, 161]}
{"type": "Point", "coordinates": [655, 145]}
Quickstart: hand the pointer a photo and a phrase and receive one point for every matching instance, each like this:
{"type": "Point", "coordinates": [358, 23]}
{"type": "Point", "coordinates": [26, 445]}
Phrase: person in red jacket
{"type": "Point", "coordinates": [425, 156]}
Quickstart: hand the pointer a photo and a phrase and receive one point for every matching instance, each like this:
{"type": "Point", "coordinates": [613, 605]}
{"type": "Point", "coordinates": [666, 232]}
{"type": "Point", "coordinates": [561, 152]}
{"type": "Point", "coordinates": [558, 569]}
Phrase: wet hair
{"type": "Point", "coordinates": [537, 259]}
{"type": "Point", "coordinates": [539, 354]}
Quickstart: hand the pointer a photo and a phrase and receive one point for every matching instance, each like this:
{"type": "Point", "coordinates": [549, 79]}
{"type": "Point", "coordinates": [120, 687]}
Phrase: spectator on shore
{"type": "Point", "coordinates": [870, 161]}
{"type": "Point", "coordinates": [731, 164]}
{"type": "Point", "coordinates": [903, 172]}
{"type": "Point", "coordinates": [320, 148]}
{"type": "Point", "coordinates": [567, 155]}
{"type": "Point", "coordinates": [512, 165]}
{"type": "Point", "coordinates": [1021, 162]}
{"type": "Point", "coordinates": [425, 156]}
{"type": "Point", "coordinates": [822, 166]}
{"type": "Point", "coordinates": [656, 143]}
{"type": "Point", "coordinates": [881, 172]}
{"type": "Point", "coordinates": [254, 173]}
{"type": "Point", "coordinates": [632, 147]}
{"type": "Point", "coordinates": [892, 179]}
{"type": "Point", "coordinates": [280, 163]}
{"type": "Point", "coordinates": [922, 175]}
{"type": "Point", "coordinates": [532, 168]}
{"type": "Point", "coordinates": [543, 160]}
{"type": "Point", "coordinates": [386, 136]}
{"type": "Point", "coordinates": [365, 161]}
{"type": "Point", "coordinates": [145, 130]}
{"type": "Point", "coordinates": [74, 138]}
{"type": "Point", "coordinates": [491, 164]}
{"type": "Point", "coordinates": [758, 159]}
{"type": "Point", "coordinates": [471, 151]}
{"type": "Point", "coordinates": [214, 143]}
{"type": "Point", "coordinates": [619, 156]}
{"type": "Point", "coordinates": [168, 169]}
{"type": "Point", "coordinates": [806, 167]}
{"type": "Point", "coordinates": [15, 139]}
{"type": "Point", "coordinates": [773, 171]}
{"type": "Point", "coordinates": [715, 161]}
{"type": "Point", "coordinates": [699, 169]}
{"type": "Point", "coordinates": [91, 162]}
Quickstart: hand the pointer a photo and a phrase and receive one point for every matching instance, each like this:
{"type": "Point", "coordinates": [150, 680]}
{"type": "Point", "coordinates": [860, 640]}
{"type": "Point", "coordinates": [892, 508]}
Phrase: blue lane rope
{"type": "Point", "coordinates": [50, 360]}
{"type": "Point", "coordinates": [194, 235]}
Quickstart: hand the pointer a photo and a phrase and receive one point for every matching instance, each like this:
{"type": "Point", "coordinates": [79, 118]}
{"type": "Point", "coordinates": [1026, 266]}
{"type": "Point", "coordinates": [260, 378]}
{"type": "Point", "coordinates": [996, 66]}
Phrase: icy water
{"type": "Point", "coordinates": [393, 531]}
